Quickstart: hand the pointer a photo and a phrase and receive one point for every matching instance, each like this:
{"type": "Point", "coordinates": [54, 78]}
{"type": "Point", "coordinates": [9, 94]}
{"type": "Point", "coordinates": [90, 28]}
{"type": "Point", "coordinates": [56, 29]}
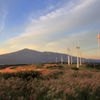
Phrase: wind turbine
{"type": "Point", "coordinates": [77, 48]}
{"type": "Point", "coordinates": [80, 58]}
{"type": "Point", "coordinates": [98, 49]}
{"type": "Point", "coordinates": [56, 60]}
{"type": "Point", "coordinates": [83, 60]}
{"type": "Point", "coordinates": [98, 42]}
{"type": "Point", "coordinates": [68, 55]}
{"type": "Point", "coordinates": [61, 60]}
{"type": "Point", "coordinates": [71, 59]}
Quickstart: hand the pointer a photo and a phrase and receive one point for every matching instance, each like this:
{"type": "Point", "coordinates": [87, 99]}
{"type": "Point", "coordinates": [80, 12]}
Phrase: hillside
{"type": "Point", "coordinates": [30, 56]}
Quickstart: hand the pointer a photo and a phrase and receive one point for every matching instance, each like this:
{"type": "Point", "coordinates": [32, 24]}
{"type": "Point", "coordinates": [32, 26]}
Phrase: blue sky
{"type": "Point", "coordinates": [50, 25]}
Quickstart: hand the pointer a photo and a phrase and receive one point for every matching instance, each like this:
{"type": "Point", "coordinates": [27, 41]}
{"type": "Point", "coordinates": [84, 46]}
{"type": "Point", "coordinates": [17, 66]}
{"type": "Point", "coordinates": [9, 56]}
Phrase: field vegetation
{"type": "Point", "coordinates": [50, 82]}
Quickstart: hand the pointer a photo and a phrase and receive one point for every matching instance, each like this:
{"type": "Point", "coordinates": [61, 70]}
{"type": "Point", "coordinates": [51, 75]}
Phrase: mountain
{"type": "Point", "coordinates": [30, 56]}
{"type": "Point", "coordinates": [26, 56]}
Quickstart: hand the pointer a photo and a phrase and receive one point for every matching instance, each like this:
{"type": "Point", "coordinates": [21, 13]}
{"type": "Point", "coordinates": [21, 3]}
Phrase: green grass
{"type": "Point", "coordinates": [13, 68]}
{"type": "Point", "coordinates": [81, 67]}
{"type": "Point", "coordinates": [40, 64]}
{"type": "Point", "coordinates": [39, 67]}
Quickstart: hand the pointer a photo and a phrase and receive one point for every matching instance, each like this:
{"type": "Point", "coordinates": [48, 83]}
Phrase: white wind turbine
{"type": "Point", "coordinates": [77, 48]}
{"type": "Point", "coordinates": [80, 58]}
{"type": "Point", "coordinates": [61, 60]}
{"type": "Point", "coordinates": [71, 59]}
{"type": "Point", "coordinates": [99, 41]}
{"type": "Point", "coordinates": [68, 55]}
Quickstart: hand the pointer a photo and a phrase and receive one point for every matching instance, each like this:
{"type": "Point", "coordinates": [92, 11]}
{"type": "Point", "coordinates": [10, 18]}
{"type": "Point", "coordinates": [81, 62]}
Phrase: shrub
{"type": "Point", "coordinates": [39, 67]}
{"type": "Point", "coordinates": [13, 68]}
{"type": "Point", "coordinates": [95, 66]}
{"type": "Point", "coordinates": [21, 74]}
{"type": "Point", "coordinates": [55, 67]}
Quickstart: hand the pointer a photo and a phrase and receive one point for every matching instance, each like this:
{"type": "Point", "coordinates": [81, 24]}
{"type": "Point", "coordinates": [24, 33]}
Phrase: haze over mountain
{"type": "Point", "coordinates": [25, 56]}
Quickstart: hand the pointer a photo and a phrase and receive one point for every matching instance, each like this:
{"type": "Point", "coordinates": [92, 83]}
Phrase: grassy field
{"type": "Point", "coordinates": [51, 82]}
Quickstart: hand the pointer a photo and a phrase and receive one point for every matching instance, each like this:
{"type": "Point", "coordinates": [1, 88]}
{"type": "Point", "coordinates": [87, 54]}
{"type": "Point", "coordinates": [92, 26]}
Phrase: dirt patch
{"type": "Point", "coordinates": [27, 68]}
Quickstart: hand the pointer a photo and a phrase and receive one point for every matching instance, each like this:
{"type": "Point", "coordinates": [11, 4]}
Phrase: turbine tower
{"type": "Point", "coordinates": [56, 60]}
{"type": "Point", "coordinates": [71, 60]}
{"type": "Point", "coordinates": [68, 55]}
{"type": "Point", "coordinates": [61, 60]}
{"type": "Point", "coordinates": [83, 60]}
{"type": "Point", "coordinates": [80, 58]}
{"type": "Point", "coordinates": [77, 48]}
{"type": "Point", "coordinates": [99, 42]}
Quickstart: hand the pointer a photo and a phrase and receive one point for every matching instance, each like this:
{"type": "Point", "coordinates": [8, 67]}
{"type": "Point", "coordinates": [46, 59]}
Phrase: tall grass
{"type": "Point", "coordinates": [64, 85]}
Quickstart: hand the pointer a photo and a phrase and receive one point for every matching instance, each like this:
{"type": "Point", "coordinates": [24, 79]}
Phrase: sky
{"type": "Point", "coordinates": [50, 25]}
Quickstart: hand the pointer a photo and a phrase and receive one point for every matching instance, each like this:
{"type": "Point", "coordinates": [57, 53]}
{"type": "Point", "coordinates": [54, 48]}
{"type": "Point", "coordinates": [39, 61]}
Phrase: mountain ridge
{"type": "Point", "coordinates": [26, 56]}
{"type": "Point", "coordinates": [29, 56]}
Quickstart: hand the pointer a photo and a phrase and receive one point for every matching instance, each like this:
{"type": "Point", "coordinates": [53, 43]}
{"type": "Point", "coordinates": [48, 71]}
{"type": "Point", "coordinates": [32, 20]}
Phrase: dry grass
{"type": "Point", "coordinates": [52, 84]}
{"type": "Point", "coordinates": [56, 85]}
{"type": "Point", "coordinates": [28, 68]}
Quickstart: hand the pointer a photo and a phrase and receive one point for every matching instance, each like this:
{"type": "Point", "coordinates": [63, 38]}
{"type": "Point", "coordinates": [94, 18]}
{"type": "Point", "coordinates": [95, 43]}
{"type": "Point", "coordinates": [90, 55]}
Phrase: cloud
{"type": "Point", "coordinates": [84, 15]}
{"type": "Point", "coordinates": [3, 14]}
{"type": "Point", "coordinates": [87, 43]}
{"type": "Point", "coordinates": [62, 26]}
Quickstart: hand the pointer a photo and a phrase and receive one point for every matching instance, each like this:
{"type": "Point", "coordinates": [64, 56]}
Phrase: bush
{"type": "Point", "coordinates": [39, 67]}
{"type": "Point", "coordinates": [55, 67]}
{"type": "Point", "coordinates": [95, 66]}
{"type": "Point", "coordinates": [21, 74]}
{"type": "Point", "coordinates": [75, 68]}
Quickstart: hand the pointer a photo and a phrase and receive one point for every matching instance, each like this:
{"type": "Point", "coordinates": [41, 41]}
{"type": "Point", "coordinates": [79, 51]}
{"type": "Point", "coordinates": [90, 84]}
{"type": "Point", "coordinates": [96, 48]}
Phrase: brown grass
{"type": "Point", "coordinates": [26, 68]}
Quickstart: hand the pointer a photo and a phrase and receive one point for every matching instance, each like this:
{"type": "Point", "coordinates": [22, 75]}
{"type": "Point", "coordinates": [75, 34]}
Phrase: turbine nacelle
{"type": "Point", "coordinates": [68, 49]}
{"type": "Point", "coordinates": [99, 36]}
{"type": "Point", "coordinates": [77, 47]}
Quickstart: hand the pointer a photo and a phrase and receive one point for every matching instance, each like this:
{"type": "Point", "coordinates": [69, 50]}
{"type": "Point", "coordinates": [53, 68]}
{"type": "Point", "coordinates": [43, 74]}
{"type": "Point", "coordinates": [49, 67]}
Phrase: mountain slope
{"type": "Point", "coordinates": [26, 56]}
{"type": "Point", "coordinates": [30, 56]}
